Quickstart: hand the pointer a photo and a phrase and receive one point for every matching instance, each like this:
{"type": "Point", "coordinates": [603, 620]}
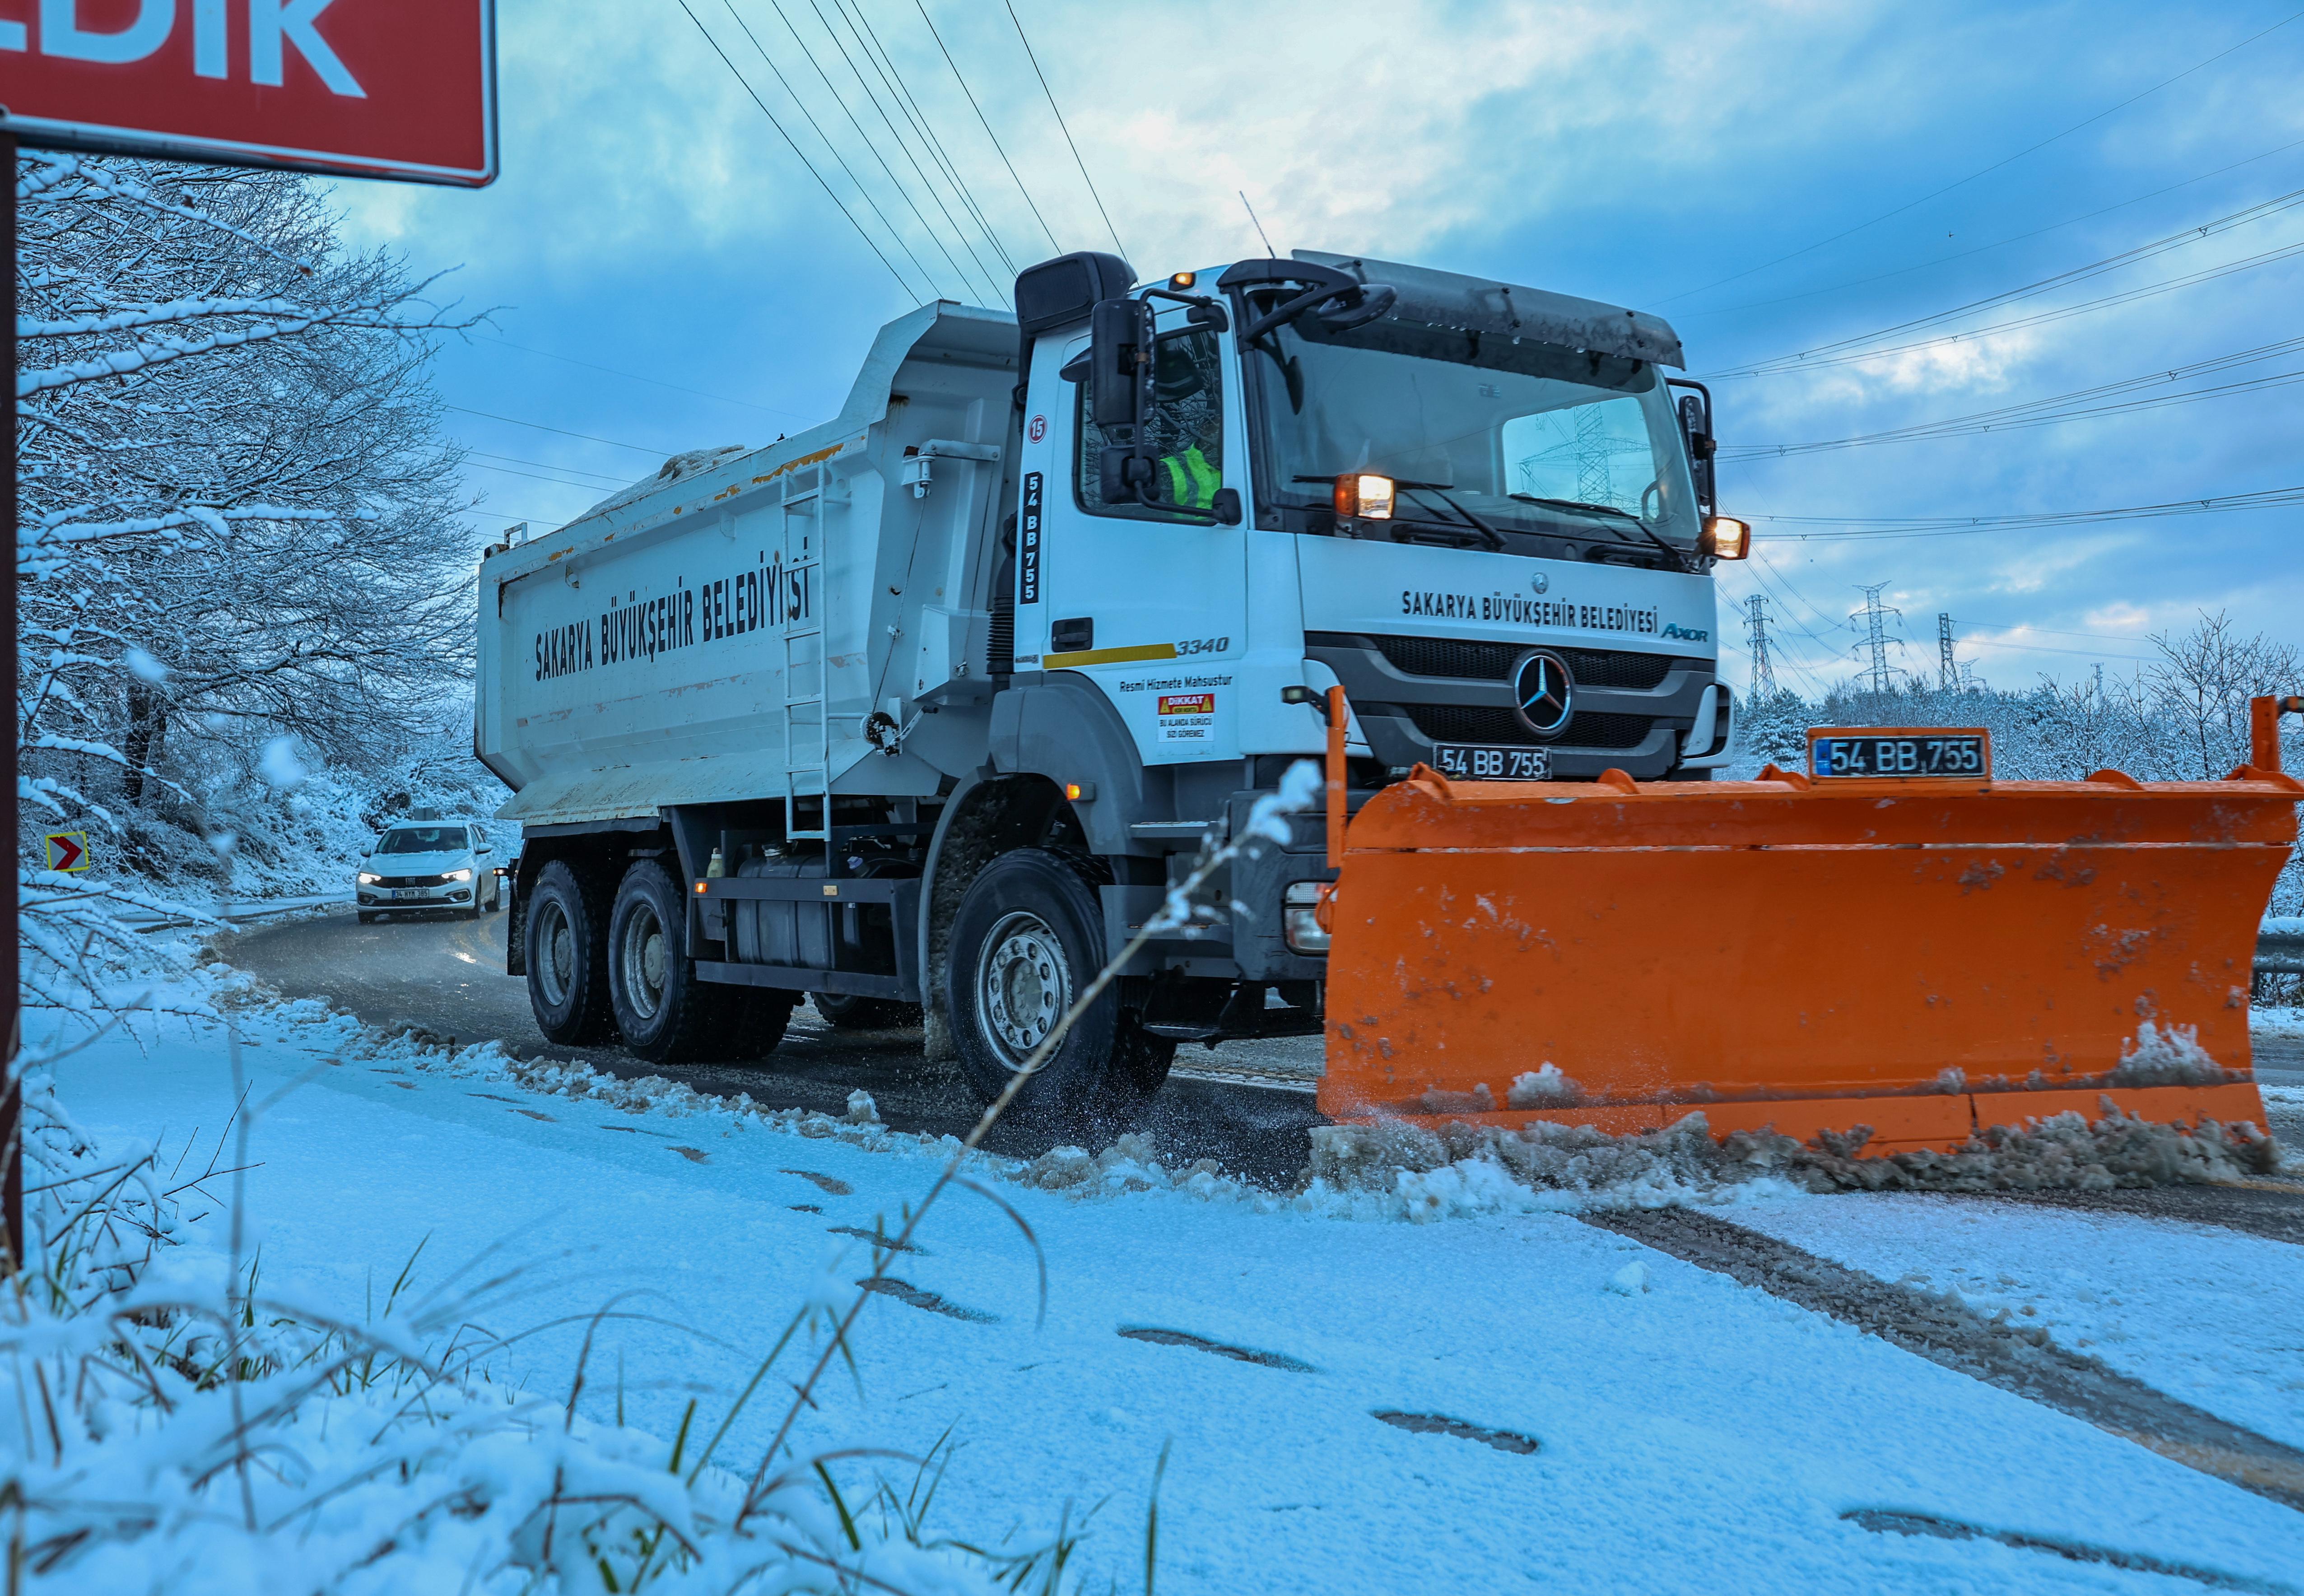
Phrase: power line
{"type": "Point", "coordinates": [903, 148]}
{"type": "Point", "coordinates": [2014, 238]}
{"type": "Point", "coordinates": [884, 68]}
{"type": "Point", "coordinates": [562, 431]}
{"type": "Point", "coordinates": [935, 289]}
{"type": "Point", "coordinates": [1955, 526]}
{"type": "Point", "coordinates": [548, 465]}
{"type": "Point", "coordinates": [2045, 412]}
{"type": "Point", "coordinates": [1986, 171]}
{"type": "Point", "coordinates": [651, 381]}
{"type": "Point", "coordinates": [536, 477]}
{"type": "Point", "coordinates": [905, 287]}
{"type": "Point", "coordinates": [1844, 350]}
{"type": "Point", "coordinates": [1067, 132]}
{"type": "Point", "coordinates": [988, 134]}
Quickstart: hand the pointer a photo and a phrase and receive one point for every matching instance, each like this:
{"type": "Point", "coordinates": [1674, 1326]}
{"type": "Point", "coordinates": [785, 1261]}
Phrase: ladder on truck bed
{"type": "Point", "coordinates": [806, 731]}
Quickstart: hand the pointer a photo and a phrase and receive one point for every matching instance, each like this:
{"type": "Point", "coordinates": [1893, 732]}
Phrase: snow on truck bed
{"type": "Point", "coordinates": [1692, 1435]}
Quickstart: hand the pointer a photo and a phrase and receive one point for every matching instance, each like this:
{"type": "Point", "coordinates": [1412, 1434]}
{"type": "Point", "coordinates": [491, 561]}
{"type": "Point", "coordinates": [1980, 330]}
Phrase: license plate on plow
{"type": "Point", "coordinates": [1479, 761]}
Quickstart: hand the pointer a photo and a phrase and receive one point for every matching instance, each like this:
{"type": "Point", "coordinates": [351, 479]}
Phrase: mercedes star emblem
{"type": "Point", "coordinates": [1544, 694]}
{"type": "Point", "coordinates": [1540, 582]}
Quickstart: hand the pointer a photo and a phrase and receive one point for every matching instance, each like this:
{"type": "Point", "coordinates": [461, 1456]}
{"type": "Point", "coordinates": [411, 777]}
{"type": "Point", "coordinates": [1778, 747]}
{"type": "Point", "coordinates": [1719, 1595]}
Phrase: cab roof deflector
{"type": "Point", "coordinates": [1445, 299]}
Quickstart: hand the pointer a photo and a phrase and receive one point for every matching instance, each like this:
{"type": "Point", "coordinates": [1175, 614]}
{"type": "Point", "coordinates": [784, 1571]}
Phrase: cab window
{"type": "Point", "coordinates": [1187, 433]}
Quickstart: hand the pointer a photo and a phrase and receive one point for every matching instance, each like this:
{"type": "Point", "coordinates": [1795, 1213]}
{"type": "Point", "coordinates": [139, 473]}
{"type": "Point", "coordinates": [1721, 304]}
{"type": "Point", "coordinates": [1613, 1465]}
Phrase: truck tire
{"type": "Point", "coordinates": [864, 1014]}
{"type": "Point", "coordinates": [752, 1020]}
{"type": "Point", "coordinates": [1027, 941]}
{"type": "Point", "coordinates": [568, 958]}
{"type": "Point", "coordinates": [666, 1015]}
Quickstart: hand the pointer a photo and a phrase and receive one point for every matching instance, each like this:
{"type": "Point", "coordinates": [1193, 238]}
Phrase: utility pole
{"type": "Point", "coordinates": [1870, 624]}
{"type": "Point", "coordinates": [1756, 637]}
{"type": "Point", "coordinates": [1947, 667]}
{"type": "Point", "coordinates": [1591, 456]}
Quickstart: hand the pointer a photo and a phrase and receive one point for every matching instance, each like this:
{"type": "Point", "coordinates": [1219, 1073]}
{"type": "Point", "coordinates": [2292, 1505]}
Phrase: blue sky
{"type": "Point", "coordinates": [1775, 179]}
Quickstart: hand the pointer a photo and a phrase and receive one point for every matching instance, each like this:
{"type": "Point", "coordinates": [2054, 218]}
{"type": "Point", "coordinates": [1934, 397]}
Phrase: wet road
{"type": "Point", "coordinates": [1246, 1104]}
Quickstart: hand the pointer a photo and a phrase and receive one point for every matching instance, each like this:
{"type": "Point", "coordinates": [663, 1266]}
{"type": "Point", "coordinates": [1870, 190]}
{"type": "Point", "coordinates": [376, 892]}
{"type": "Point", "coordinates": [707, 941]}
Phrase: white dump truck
{"type": "Point", "coordinates": [929, 704]}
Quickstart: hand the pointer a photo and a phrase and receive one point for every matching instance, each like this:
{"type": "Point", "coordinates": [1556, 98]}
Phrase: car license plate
{"type": "Point", "coordinates": [1900, 754]}
{"type": "Point", "coordinates": [1479, 761]}
{"type": "Point", "coordinates": [408, 892]}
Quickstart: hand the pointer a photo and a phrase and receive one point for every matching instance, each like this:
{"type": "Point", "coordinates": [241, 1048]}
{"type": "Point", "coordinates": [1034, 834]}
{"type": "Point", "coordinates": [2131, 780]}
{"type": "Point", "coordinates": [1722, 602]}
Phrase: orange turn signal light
{"type": "Point", "coordinates": [1725, 538]}
{"type": "Point", "coordinates": [1184, 279]}
{"type": "Point", "coordinates": [1363, 496]}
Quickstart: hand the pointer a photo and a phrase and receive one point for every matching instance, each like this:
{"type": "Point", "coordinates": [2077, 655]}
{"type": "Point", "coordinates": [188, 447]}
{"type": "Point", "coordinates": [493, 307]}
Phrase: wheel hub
{"type": "Point", "coordinates": [556, 942]}
{"type": "Point", "coordinates": [1025, 985]}
{"type": "Point", "coordinates": [644, 961]}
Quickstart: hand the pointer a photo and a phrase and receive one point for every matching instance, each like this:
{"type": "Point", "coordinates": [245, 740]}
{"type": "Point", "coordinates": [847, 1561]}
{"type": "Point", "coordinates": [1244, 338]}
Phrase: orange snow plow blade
{"type": "Point", "coordinates": [1926, 957]}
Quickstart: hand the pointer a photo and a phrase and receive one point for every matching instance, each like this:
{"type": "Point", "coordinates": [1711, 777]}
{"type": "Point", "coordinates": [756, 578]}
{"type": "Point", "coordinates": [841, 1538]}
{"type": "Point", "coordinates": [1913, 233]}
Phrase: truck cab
{"type": "Point", "coordinates": [1041, 614]}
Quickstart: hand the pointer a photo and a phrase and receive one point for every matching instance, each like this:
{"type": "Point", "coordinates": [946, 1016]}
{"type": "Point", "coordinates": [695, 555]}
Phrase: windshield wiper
{"type": "Point", "coordinates": [1439, 490]}
{"type": "Point", "coordinates": [1496, 538]}
{"type": "Point", "coordinates": [1679, 560]}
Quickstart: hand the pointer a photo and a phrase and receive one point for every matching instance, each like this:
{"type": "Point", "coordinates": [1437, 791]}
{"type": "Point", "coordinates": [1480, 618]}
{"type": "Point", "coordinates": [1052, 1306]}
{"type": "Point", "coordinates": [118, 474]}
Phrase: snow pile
{"type": "Point", "coordinates": [189, 1430]}
{"type": "Point", "coordinates": [2167, 1056]}
{"type": "Point", "coordinates": [2067, 1151]}
{"type": "Point", "coordinates": [1396, 1169]}
{"type": "Point", "coordinates": [1407, 1171]}
{"type": "Point", "coordinates": [1131, 1164]}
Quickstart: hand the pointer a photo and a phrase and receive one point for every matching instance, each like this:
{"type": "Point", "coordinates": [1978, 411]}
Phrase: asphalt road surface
{"type": "Point", "coordinates": [1246, 1104]}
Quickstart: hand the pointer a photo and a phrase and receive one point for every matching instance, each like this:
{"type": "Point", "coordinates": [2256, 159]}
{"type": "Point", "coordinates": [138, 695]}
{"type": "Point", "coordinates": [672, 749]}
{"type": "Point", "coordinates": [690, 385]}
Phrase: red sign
{"type": "Point", "coordinates": [401, 88]}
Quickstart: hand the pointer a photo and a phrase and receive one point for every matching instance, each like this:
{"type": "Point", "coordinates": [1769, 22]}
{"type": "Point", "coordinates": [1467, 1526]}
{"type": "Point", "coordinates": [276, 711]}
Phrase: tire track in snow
{"type": "Point", "coordinates": [2015, 1358]}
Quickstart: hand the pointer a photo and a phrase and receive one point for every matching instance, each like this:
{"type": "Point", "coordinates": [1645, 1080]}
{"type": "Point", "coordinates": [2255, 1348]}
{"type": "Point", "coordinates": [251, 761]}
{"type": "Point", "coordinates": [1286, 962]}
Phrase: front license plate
{"type": "Point", "coordinates": [408, 892]}
{"type": "Point", "coordinates": [1479, 761]}
{"type": "Point", "coordinates": [1900, 754]}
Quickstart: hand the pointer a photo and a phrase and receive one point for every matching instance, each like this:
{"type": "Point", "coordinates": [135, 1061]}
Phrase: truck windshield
{"type": "Point", "coordinates": [1527, 436]}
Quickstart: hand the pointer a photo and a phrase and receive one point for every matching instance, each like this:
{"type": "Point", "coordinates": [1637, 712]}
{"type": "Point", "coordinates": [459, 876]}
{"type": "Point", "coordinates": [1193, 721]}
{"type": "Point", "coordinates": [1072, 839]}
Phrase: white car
{"type": "Point", "coordinates": [430, 865]}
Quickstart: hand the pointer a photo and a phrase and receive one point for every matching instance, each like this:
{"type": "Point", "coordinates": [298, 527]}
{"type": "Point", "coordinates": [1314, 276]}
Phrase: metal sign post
{"type": "Point", "coordinates": [404, 89]}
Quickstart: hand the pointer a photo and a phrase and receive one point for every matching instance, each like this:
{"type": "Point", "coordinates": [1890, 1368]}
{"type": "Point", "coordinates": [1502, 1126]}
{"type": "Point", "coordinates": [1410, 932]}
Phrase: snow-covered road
{"type": "Point", "coordinates": [1695, 1435]}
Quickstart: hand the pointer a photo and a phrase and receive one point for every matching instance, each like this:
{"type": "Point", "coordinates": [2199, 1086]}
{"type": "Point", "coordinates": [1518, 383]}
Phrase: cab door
{"type": "Point", "coordinates": [1148, 600]}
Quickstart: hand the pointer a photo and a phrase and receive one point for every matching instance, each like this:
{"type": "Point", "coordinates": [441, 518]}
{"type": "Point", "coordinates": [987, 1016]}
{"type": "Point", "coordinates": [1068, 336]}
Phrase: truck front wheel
{"type": "Point", "coordinates": [666, 1015]}
{"type": "Point", "coordinates": [568, 959]}
{"type": "Point", "coordinates": [1028, 941]}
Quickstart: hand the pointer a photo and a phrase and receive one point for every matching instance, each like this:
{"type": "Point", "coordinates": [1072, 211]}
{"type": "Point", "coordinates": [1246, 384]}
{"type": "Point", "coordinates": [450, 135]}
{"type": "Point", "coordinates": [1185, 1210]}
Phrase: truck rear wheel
{"type": "Point", "coordinates": [568, 959]}
{"type": "Point", "coordinates": [666, 1015]}
{"type": "Point", "coordinates": [1028, 941]}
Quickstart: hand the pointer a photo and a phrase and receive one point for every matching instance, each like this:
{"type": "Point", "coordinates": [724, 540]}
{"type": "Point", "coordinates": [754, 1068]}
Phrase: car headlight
{"type": "Point", "coordinates": [458, 876]}
{"type": "Point", "coordinates": [1299, 917]}
{"type": "Point", "coordinates": [367, 880]}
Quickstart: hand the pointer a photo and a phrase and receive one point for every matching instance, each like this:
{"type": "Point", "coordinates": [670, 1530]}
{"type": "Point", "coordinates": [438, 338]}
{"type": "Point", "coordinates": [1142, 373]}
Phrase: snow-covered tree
{"type": "Point", "coordinates": [238, 508]}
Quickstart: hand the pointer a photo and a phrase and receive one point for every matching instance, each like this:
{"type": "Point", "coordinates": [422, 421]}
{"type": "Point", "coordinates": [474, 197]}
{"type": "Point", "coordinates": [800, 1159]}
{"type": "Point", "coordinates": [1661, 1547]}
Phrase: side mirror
{"type": "Point", "coordinates": [1119, 358]}
{"type": "Point", "coordinates": [1120, 472]}
{"type": "Point", "coordinates": [1372, 303]}
{"type": "Point", "coordinates": [1696, 428]}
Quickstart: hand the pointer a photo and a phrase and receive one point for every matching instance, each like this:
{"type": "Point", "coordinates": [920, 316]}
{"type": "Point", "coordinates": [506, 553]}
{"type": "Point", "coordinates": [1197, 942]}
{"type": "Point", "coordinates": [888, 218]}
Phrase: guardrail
{"type": "Point", "coordinates": [2280, 947]}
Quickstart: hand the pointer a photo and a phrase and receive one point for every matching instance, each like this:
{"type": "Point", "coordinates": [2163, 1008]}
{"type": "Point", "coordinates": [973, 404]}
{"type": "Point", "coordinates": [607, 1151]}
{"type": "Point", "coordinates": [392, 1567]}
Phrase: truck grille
{"type": "Point", "coordinates": [1480, 660]}
{"type": "Point", "coordinates": [1458, 723]}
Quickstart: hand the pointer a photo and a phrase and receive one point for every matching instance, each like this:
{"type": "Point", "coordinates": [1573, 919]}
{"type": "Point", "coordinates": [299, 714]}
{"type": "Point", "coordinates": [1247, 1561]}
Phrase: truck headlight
{"type": "Point", "coordinates": [1300, 918]}
{"type": "Point", "coordinates": [1725, 538]}
{"type": "Point", "coordinates": [457, 876]}
{"type": "Point", "coordinates": [366, 879]}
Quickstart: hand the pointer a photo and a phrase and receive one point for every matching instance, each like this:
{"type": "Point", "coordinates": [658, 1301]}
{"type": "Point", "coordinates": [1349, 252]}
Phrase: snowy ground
{"type": "Point", "coordinates": [2208, 1315]}
{"type": "Point", "coordinates": [1695, 1435]}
